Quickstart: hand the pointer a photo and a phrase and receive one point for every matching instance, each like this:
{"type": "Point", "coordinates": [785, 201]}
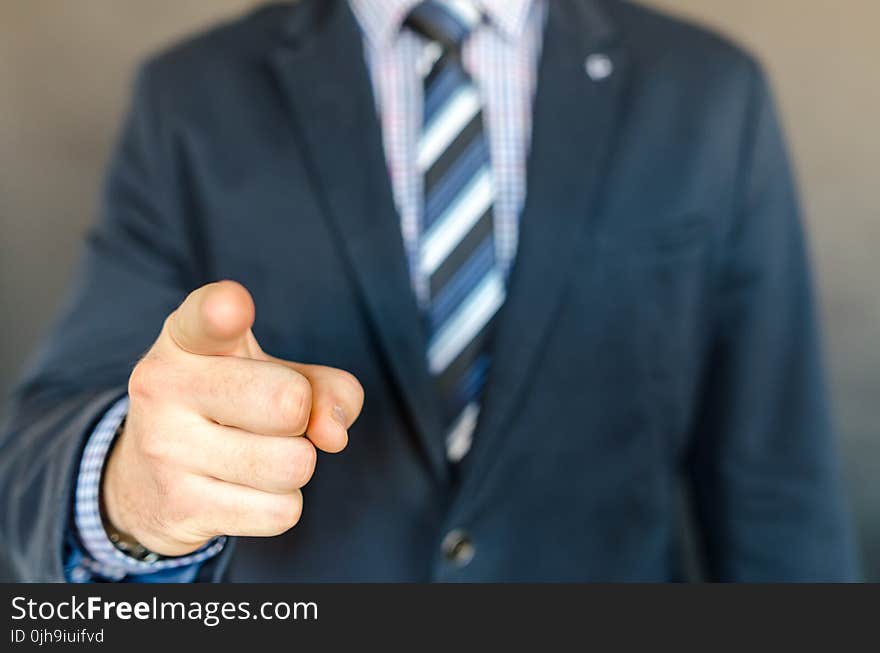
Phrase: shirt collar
{"type": "Point", "coordinates": [509, 16]}
{"type": "Point", "coordinates": [381, 20]}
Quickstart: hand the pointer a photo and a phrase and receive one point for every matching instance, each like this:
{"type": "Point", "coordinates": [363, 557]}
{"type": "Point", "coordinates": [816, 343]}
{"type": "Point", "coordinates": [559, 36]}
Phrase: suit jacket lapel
{"type": "Point", "coordinates": [321, 69]}
{"type": "Point", "coordinates": [574, 124]}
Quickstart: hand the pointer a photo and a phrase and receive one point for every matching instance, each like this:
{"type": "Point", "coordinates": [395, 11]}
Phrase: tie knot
{"type": "Point", "coordinates": [447, 22]}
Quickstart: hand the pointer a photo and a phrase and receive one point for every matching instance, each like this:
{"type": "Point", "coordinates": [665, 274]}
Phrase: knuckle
{"type": "Point", "coordinates": [289, 466]}
{"type": "Point", "coordinates": [299, 464]}
{"type": "Point", "coordinates": [285, 513]}
{"type": "Point", "coordinates": [144, 381]}
{"type": "Point", "coordinates": [292, 402]}
{"type": "Point", "coordinates": [155, 378]}
{"type": "Point", "coordinates": [308, 463]}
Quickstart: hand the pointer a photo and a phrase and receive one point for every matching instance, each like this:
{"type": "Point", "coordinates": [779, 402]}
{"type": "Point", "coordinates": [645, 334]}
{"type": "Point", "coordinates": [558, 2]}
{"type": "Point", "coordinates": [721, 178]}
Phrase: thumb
{"type": "Point", "coordinates": [215, 320]}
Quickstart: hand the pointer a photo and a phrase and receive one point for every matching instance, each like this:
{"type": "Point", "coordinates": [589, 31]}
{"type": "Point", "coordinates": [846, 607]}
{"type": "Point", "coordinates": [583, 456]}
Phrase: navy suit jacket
{"type": "Point", "coordinates": [660, 323]}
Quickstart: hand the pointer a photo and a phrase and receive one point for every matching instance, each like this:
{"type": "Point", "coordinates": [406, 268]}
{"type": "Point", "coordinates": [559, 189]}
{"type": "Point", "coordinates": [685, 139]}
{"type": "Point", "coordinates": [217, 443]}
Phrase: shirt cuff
{"type": "Point", "coordinates": [102, 557]}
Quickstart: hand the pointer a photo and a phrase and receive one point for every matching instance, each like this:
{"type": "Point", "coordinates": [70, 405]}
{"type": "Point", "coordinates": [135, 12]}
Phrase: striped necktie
{"type": "Point", "coordinates": [456, 251]}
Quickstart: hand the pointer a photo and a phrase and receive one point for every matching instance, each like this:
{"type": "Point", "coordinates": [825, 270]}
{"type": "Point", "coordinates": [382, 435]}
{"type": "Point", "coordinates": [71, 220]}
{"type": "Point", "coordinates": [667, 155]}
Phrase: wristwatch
{"type": "Point", "coordinates": [131, 548]}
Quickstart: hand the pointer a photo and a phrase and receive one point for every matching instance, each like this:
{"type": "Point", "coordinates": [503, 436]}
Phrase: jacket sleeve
{"type": "Point", "coordinates": [137, 266]}
{"type": "Point", "coordinates": [764, 472]}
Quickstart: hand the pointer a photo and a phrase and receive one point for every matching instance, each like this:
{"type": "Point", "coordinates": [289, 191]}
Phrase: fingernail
{"type": "Point", "coordinates": [339, 416]}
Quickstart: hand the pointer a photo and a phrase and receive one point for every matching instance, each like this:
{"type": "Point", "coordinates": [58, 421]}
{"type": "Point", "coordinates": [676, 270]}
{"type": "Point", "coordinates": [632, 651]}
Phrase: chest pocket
{"type": "Point", "coordinates": [665, 237]}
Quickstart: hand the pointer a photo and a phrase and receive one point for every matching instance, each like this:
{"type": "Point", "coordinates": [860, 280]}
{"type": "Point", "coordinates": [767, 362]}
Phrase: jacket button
{"type": "Point", "coordinates": [458, 549]}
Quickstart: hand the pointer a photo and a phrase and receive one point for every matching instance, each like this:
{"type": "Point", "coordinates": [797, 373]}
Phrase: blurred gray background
{"type": "Point", "coordinates": [64, 73]}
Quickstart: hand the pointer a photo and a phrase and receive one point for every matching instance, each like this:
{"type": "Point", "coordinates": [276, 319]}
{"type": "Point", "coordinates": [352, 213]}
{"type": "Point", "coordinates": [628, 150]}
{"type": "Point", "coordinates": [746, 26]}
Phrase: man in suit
{"type": "Point", "coordinates": [554, 244]}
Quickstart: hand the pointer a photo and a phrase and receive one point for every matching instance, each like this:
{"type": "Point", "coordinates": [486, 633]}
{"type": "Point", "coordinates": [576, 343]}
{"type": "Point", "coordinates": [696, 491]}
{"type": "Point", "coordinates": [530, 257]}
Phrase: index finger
{"type": "Point", "coordinates": [337, 400]}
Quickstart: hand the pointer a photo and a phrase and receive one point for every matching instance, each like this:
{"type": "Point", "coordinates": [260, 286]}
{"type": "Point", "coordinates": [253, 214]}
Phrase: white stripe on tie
{"type": "Point", "coordinates": [464, 10]}
{"type": "Point", "coordinates": [467, 321]}
{"type": "Point", "coordinates": [452, 119]}
{"type": "Point", "coordinates": [456, 221]}
{"type": "Point", "coordinates": [430, 55]}
{"type": "Point", "coordinates": [461, 435]}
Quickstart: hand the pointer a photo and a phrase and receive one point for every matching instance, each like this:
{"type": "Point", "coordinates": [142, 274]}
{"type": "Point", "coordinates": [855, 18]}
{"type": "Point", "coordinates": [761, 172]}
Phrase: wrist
{"type": "Point", "coordinates": [112, 518]}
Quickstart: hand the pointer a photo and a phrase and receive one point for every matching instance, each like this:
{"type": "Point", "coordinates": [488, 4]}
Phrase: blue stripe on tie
{"type": "Point", "coordinates": [471, 384]}
{"type": "Point", "coordinates": [454, 181]}
{"type": "Point", "coordinates": [444, 23]}
{"type": "Point", "coordinates": [468, 277]}
{"type": "Point", "coordinates": [442, 88]}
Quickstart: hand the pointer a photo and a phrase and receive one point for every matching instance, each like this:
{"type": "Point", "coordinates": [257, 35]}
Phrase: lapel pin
{"type": "Point", "coordinates": [598, 67]}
